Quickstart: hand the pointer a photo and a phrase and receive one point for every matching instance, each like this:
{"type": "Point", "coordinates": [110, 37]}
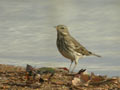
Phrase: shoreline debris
{"type": "Point", "coordinates": [47, 78]}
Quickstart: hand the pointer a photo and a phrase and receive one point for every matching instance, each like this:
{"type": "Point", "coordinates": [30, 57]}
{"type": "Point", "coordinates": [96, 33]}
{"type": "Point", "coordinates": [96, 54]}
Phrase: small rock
{"type": "Point", "coordinates": [76, 81]}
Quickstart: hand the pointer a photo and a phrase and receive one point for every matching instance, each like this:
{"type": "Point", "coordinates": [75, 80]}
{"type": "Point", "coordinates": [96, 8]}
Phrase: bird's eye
{"type": "Point", "coordinates": [62, 28]}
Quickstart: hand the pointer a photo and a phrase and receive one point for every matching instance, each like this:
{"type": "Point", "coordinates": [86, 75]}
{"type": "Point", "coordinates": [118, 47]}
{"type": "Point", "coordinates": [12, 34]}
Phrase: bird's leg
{"type": "Point", "coordinates": [74, 67]}
{"type": "Point", "coordinates": [70, 65]}
{"type": "Point", "coordinates": [76, 62]}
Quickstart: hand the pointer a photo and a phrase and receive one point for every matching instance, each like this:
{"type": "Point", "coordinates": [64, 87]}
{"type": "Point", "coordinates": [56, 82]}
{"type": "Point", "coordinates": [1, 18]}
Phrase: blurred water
{"type": "Point", "coordinates": [27, 35]}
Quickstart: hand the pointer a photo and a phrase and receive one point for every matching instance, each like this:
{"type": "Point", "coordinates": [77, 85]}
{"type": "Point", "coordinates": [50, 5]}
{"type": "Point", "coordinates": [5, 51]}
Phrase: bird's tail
{"type": "Point", "coordinates": [96, 55]}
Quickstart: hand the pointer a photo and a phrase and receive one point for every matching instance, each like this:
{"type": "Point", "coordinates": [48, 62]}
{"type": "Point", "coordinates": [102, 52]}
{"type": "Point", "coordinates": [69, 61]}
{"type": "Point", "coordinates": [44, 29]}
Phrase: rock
{"type": "Point", "coordinates": [13, 78]}
{"type": "Point", "coordinates": [45, 70]}
{"type": "Point", "coordinates": [97, 79]}
{"type": "Point", "coordinates": [76, 81]}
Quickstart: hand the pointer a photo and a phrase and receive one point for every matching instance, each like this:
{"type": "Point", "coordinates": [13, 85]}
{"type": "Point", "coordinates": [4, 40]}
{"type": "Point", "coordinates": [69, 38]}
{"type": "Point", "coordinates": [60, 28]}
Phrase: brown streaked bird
{"type": "Point", "coordinates": [69, 47]}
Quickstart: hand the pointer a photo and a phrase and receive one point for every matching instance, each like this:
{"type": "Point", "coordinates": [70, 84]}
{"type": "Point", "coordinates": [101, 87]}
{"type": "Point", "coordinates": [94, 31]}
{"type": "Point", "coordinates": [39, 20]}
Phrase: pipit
{"type": "Point", "coordinates": [69, 47]}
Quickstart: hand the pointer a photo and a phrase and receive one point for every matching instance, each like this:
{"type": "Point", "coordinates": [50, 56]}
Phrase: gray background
{"type": "Point", "coordinates": [27, 35]}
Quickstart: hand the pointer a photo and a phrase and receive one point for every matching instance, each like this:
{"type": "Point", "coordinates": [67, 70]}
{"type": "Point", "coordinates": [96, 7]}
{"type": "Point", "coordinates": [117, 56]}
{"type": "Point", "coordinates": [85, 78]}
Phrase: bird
{"type": "Point", "coordinates": [69, 47]}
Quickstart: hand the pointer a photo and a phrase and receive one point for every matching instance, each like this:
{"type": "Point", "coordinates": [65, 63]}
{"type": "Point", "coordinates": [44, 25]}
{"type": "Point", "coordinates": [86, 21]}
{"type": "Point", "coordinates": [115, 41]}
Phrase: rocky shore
{"type": "Point", "coordinates": [47, 78]}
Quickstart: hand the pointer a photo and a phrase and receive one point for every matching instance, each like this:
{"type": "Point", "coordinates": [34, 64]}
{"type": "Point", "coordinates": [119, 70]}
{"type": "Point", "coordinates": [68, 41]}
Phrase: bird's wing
{"type": "Point", "coordinates": [78, 47]}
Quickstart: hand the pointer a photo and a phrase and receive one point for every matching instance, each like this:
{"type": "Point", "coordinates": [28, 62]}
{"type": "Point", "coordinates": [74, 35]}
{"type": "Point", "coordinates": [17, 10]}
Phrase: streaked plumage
{"type": "Point", "coordinates": [69, 47]}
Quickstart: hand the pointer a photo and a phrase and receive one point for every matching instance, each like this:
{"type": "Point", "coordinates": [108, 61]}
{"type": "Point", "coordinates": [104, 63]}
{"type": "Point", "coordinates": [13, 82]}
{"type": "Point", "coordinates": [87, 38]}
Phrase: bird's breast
{"type": "Point", "coordinates": [64, 49]}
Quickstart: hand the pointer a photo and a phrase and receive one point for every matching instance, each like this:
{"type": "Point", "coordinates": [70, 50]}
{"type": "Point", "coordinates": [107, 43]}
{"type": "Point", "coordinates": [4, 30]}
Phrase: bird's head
{"type": "Point", "coordinates": [62, 29]}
